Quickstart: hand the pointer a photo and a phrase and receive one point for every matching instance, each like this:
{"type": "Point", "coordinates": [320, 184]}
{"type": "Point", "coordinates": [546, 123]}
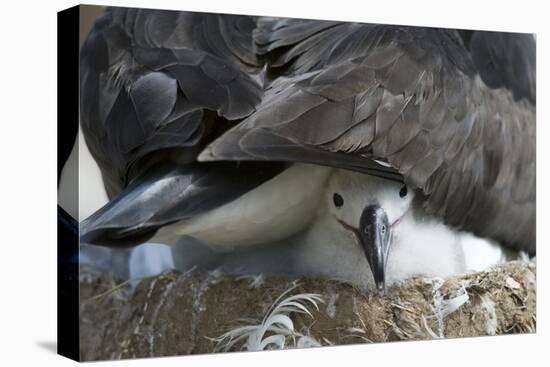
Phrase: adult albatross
{"type": "Point", "coordinates": [201, 125]}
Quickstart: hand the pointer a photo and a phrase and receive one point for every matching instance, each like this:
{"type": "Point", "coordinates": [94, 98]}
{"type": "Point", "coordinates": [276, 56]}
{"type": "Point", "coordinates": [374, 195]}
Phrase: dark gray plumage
{"type": "Point", "coordinates": [159, 86]}
{"type": "Point", "coordinates": [156, 87]}
{"type": "Point", "coordinates": [458, 129]}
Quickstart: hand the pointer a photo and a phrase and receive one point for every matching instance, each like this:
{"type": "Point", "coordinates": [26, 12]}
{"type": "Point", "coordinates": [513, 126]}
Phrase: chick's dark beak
{"type": "Point", "coordinates": [374, 236]}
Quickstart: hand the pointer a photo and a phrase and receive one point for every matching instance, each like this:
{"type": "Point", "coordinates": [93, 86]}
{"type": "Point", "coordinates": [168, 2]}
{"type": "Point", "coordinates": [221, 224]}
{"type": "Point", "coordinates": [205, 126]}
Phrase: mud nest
{"type": "Point", "coordinates": [191, 313]}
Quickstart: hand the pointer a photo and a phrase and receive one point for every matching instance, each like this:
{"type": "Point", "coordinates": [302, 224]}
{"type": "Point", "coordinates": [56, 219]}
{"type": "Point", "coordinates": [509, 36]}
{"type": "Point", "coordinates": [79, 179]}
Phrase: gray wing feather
{"type": "Point", "coordinates": [167, 193]}
{"type": "Point", "coordinates": [158, 81]}
{"type": "Point", "coordinates": [414, 97]}
{"type": "Point", "coordinates": [156, 87]}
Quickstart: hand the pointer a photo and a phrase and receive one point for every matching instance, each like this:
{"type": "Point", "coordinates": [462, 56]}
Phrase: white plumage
{"type": "Point", "coordinates": [271, 212]}
{"type": "Point", "coordinates": [291, 226]}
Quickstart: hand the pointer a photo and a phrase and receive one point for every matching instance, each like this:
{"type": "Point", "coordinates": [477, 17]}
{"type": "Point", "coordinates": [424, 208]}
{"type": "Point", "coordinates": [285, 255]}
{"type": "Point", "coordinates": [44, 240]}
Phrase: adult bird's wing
{"type": "Point", "coordinates": [453, 112]}
{"type": "Point", "coordinates": [156, 87]}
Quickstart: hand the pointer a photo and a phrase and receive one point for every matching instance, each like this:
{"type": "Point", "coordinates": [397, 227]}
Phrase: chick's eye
{"type": "Point", "coordinates": [403, 191]}
{"type": "Point", "coordinates": [337, 199]}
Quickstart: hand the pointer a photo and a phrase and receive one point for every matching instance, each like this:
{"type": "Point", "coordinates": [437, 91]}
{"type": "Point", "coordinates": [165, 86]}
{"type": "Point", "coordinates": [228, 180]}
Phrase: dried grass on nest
{"type": "Point", "coordinates": [184, 313]}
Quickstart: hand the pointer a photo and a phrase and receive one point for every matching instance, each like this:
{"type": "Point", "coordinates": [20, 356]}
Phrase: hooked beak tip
{"type": "Point", "coordinates": [381, 289]}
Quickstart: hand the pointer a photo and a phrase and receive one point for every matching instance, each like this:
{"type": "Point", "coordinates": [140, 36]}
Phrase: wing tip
{"type": "Point", "coordinates": [207, 155]}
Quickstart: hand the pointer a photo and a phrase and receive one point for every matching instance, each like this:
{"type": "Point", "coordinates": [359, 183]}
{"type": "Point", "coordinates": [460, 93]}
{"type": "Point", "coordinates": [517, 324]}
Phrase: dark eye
{"type": "Point", "coordinates": [338, 200]}
{"type": "Point", "coordinates": [403, 191]}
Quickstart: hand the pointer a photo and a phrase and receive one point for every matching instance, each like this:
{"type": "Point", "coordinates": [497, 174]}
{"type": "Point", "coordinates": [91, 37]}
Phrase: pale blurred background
{"type": "Point", "coordinates": [81, 172]}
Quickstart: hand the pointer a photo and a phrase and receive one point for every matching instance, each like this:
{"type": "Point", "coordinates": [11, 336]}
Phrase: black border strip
{"type": "Point", "coordinates": [68, 27]}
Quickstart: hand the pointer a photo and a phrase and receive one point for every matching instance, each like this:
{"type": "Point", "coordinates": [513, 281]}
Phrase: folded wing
{"type": "Point", "coordinates": [156, 87]}
{"type": "Point", "coordinates": [450, 112]}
